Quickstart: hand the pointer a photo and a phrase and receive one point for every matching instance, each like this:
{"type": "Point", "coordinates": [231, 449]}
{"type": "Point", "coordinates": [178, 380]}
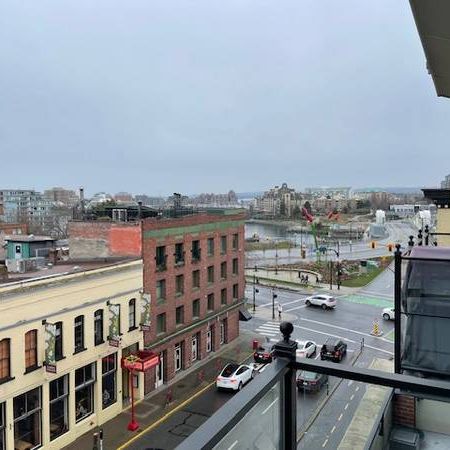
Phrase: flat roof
{"type": "Point", "coordinates": [28, 238]}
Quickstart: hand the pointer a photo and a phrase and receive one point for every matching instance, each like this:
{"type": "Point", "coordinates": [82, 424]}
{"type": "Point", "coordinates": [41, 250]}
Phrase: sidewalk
{"type": "Point", "coordinates": [196, 379]}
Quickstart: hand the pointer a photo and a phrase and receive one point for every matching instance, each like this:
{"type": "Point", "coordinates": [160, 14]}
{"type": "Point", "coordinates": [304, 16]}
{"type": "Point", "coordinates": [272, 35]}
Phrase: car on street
{"type": "Point", "coordinates": [306, 349]}
{"type": "Point", "coordinates": [234, 376]}
{"type": "Point", "coordinates": [388, 314]}
{"type": "Point", "coordinates": [263, 354]}
{"type": "Point", "coordinates": [322, 300]}
{"type": "Point", "coordinates": [311, 381]}
{"type": "Point", "coordinates": [333, 350]}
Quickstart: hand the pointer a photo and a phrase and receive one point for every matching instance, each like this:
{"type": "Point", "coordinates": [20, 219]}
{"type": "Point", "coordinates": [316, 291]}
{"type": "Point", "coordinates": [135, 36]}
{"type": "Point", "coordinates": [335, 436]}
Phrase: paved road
{"type": "Point", "coordinates": [399, 232]}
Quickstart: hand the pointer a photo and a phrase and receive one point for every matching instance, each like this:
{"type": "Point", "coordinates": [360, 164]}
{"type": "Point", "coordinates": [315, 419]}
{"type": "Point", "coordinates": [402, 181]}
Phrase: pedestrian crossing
{"type": "Point", "coordinates": [270, 330]}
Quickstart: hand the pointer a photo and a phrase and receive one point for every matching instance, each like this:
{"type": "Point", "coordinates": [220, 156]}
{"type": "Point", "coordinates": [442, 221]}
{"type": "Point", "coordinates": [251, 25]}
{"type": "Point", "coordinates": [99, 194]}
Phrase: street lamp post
{"type": "Point", "coordinates": [274, 296]}
{"type": "Point", "coordinates": [276, 258]}
{"type": "Point", "coordinates": [255, 291]}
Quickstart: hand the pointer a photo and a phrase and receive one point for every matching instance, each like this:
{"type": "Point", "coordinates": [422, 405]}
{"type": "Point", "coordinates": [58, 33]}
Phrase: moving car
{"type": "Point", "coordinates": [263, 355]}
{"type": "Point", "coordinates": [333, 350]}
{"type": "Point", "coordinates": [324, 301]}
{"type": "Point", "coordinates": [388, 313]}
{"type": "Point", "coordinates": [234, 376]}
{"type": "Point", "coordinates": [306, 349]}
{"type": "Point", "coordinates": [311, 381]}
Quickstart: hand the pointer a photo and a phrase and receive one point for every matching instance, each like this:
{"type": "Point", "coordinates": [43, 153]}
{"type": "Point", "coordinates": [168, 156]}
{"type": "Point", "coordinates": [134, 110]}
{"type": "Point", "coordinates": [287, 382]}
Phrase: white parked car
{"type": "Point", "coordinates": [306, 349]}
{"type": "Point", "coordinates": [388, 313]}
{"type": "Point", "coordinates": [234, 376]}
{"type": "Point", "coordinates": [324, 301]}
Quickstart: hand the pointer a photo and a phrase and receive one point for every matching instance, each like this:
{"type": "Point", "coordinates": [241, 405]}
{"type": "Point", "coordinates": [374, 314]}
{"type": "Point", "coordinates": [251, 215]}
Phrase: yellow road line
{"type": "Point", "coordinates": [165, 417]}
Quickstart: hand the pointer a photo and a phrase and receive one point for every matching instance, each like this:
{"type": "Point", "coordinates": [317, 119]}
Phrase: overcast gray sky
{"type": "Point", "coordinates": [157, 96]}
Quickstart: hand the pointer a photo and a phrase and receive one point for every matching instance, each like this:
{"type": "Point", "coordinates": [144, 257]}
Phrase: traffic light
{"type": "Point", "coordinates": [372, 244]}
{"type": "Point", "coordinates": [274, 296]}
{"type": "Point", "coordinates": [390, 247]}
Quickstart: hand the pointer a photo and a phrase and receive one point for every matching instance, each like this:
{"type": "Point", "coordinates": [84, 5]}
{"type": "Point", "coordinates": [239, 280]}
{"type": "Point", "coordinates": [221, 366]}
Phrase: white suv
{"type": "Point", "coordinates": [324, 301]}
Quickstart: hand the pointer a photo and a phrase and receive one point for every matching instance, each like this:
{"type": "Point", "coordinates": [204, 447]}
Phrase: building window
{"type": "Point", "coordinates": [223, 245]}
{"type": "Point", "coordinates": [195, 251]}
{"type": "Point", "coordinates": [5, 359]}
{"type": "Point", "coordinates": [210, 302]}
{"type": "Point", "coordinates": [59, 341]}
{"type": "Point", "coordinates": [178, 354]}
{"type": "Point", "coordinates": [30, 350]}
{"type": "Point", "coordinates": [223, 332]}
{"type": "Point", "coordinates": [161, 323]}
{"type": "Point", "coordinates": [223, 270]}
{"type": "Point", "coordinates": [179, 254]}
{"type": "Point", "coordinates": [59, 406]}
{"type": "Point", "coordinates": [79, 334]}
{"type": "Point", "coordinates": [98, 327]}
{"type": "Point", "coordinates": [235, 241]}
{"type": "Point", "coordinates": [84, 391]}
{"type": "Point", "coordinates": [209, 340]}
{"type": "Point", "coordinates": [161, 289]}
{"type": "Point", "coordinates": [160, 258]}
{"type": "Point", "coordinates": [235, 291]}
{"type": "Point", "coordinates": [2, 427]}
{"type": "Point", "coordinates": [179, 315]}
{"type": "Point", "coordinates": [109, 370]}
{"type": "Point", "coordinates": [194, 348]}
{"type": "Point", "coordinates": [27, 419]}
{"type": "Point", "coordinates": [132, 314]}
{"type": "Point", "coordinates": [196, 308]}
{"type": "Point", "coordinates": [196, 279]}
{"type": "Point", "coordinates": [211, 274]}
{"type": "Point", "coordinates": [235, 266]}
{"type": "Point", "coordinates": [179, 285]}
{"type": "Point", "coordinates": [210, 244]}
{"type": "Point", "coordinates": [223, 296]}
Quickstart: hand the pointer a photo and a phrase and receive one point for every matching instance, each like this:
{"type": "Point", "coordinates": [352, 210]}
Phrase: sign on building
{"type": "Point", "coordinates": [145, 312]}
{"type": "Point", "coordinates": [114, 325]}
{"type": "Point", "coordinates": [50, 342]}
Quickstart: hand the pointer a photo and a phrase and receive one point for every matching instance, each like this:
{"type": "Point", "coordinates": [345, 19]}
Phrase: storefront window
{"type": "Point", "coordinates": [59, 404]}
{"type": "Point", "coordinates": [2, 427]}
{"type": "Point", "coordinates": [27, 419]}
{"type": "Point", "coordinates": [84, 391]}
{"type": "Point", "coordinates": [109, 373]}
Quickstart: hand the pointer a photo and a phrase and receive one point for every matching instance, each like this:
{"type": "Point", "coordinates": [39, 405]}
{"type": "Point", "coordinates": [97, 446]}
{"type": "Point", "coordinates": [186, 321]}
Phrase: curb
{"type": "Point", "coordinates": [322, 404]}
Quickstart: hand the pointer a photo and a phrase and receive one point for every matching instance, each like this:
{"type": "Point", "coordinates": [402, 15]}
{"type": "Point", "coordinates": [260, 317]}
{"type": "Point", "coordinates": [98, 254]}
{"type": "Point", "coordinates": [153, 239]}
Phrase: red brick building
{"type": "Point", "coordinates": [194, 273]}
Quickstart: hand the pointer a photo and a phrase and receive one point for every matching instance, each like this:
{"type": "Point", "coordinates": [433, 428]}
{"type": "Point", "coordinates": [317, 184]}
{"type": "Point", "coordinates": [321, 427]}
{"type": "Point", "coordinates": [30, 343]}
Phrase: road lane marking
{"type": "Point", "coordinates": [334, 428]}
{"type": "Point", "coordinates": [297, 307]}
{"type": "Point", "coordinates": [346, 406]}
{"type": "Point", "coordinates": [233, 445]}
{"type": "Point", "coordinates": [350, 383]}
{"type": "Point", "coordinates": [352, 397]}
{"type": "Point", "coordinates": [326, 334]}
{"type": "Point", "coordinates": [284, 304]}
{"type": "Point", "coordinates": [345, 329]}
{"type": "Point", "coordinates": [270, 327]}
{"type": "Point", "coordinates": [379, 349]}
{"type": "Point", "coordinates": [357, 389]}
{"type": "Point", "coordinates": [265, 333]}
{"type": "Point", "coordinates": [325, 442]}
{"type": "Point", "coordinates": [340, 417]}
{"type": "Point", "coordinates": [270, 406]}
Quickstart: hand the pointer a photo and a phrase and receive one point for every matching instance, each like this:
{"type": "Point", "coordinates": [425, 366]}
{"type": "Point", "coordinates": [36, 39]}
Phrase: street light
{"type": "Point", "coordinates": [255, 291]}
{"type": "Point", "coordinates": [276, 258]}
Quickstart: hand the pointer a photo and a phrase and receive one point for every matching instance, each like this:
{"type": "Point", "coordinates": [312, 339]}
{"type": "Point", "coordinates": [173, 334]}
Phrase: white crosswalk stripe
{"type": "Point", "coordinates": [269, 329]}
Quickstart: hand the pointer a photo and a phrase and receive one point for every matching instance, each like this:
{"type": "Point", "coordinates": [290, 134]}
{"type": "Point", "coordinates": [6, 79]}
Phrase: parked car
{"type": "Point", "coordinates": [263, 354]}
{"type": "Point", "coordinates": [333, 349]}
{"type": "Point", "coordinates": [234, 376]}
{"type": "Point", "coordinates": [306, 349]}
{"type": "Point", "coordinates": [324, 301]}
{"type": "Point", "coordinates": [388, 313]}
{"type": "Point", "coordinates": [311, 381]}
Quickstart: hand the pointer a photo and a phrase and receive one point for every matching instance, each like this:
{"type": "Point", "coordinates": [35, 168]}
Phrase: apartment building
{"type": "Point", "coordinates": [194, 274]}
{"type": "Point", "coordinates": [62, 340]}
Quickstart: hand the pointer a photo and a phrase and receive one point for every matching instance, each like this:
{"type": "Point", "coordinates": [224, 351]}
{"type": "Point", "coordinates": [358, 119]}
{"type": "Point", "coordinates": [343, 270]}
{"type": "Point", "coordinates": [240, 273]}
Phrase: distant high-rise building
{"type": "Point", "coordinates": [123, 197]}
{"type": "Point", "coordinates": [63, 196]}
{"type": "Point", "coordinates": [445, 183]}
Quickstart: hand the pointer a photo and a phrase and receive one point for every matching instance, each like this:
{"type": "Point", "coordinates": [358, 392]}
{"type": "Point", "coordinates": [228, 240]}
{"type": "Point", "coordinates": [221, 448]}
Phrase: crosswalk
{"type": "Point", "coordinates": [270, 330]}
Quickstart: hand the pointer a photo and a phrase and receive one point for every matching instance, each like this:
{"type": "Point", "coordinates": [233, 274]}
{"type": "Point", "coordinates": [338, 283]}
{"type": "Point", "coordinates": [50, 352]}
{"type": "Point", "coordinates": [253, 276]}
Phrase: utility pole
{"type": "Point", "coordinates": [331, 275]}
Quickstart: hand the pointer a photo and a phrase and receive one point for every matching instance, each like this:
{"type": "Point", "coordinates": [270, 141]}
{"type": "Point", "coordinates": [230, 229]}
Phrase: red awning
{"type": "Point", "coordinates": [140, 361]}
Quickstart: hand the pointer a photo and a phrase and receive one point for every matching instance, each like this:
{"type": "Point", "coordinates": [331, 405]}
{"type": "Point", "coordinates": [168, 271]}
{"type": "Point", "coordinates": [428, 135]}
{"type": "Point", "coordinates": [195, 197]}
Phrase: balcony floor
{"type": "Point", "coordinates": [435, 441]}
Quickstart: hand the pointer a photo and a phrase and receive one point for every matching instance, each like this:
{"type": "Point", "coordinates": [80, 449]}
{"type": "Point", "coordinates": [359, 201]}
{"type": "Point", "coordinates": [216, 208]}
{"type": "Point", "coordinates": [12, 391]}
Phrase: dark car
{"type": "Point", "coordinates": [263, 355]}
{"type": "Point", "coordinates": [333, 350]}
{"type": "Point", "coordinates": [311, 381]}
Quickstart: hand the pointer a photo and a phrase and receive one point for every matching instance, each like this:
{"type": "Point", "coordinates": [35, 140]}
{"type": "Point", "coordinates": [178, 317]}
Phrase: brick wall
{"type": "Point", "coordinates": [90, 240]}
{"type": "Point", "coordinates": [405, 410]}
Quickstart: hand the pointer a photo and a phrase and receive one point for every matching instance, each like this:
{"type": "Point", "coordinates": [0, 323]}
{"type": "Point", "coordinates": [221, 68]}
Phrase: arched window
{"type": "Point", "coordinates": [5, 361]}
{"type": "Point", "coordinates": [31, 349]}
{"type": "Point", "coordinates": [132, 314]}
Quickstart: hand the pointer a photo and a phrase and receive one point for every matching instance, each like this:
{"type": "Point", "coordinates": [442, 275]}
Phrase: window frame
{"type": "Point", "coordinates": [59, 341]}
{"type": "Point", "coordinates": [162, 316]}
{"type": "Point", "coordinates": [195, 278]}
{"type": "Point", "coordinates": [132, 315]}
{"type": "Point", "coordinates": [181, 310]}
{"type": "Point", "coordinates": [61, 397]}
{"type": "Point", "coordinates": [31, 349]}
{"type": "Point", "coordinates": [87, 383]}
{"type": "Point", "coordinates": [196, 302]}
{"type": "Point", "coordinates": [235, 266]}
{"type": "Point", "coordinates": [210, 246]}
{"type": "Point", "coordinates": [110, 371]}
{"type": "Point", "coordinates": [235, 242]}
{"type": "Point", "coordinates": [223, 298]}
{"type": "Point", "coordinates": [210, 299]}
{"type": "Point", "coordinates": [162, 289]}
{"type": "Point", "coordinates": [210, 274]}
{"type": "Point", "coordinates": [98, 340]}
{"type": "Point", "coordinates": [223, 270]}
{"type": "Point", "coordinates": [179, 292]}
{"type": "Point", "coordinates": [223, 244]}
{"type": "Point", "coordinates": [5, 360]}
{"type": "Point", "coordinates": [28, 413]}
{"type": "Point", "coordinates": [80, 347]}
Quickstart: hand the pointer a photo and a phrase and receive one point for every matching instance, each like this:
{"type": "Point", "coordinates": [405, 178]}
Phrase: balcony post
{"type": "Point", "coordinates": [427, 234]}
{"type": "Point", "coordinates": [287, 349]}
{"type": "Point", "coordinates": [397, 308]}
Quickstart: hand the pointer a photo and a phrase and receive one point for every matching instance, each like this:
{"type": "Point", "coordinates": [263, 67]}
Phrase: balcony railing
{"type": "Point", "coordinates": [241, 424]}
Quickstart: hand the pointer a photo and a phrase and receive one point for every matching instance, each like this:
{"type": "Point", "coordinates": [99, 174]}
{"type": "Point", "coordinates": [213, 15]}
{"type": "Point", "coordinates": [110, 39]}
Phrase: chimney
{"type": "Point", "coordinates": [82, 202]}
{"type": "Point", "coordinates": [139, 209]}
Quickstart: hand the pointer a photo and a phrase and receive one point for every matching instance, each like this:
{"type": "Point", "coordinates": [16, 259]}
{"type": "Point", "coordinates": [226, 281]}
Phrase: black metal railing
{"type": "Point", "coordinates": [233, 421]}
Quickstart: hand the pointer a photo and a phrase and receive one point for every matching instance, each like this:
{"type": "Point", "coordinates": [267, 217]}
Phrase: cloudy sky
{"type": "Point", "coordinates": [206, 95]}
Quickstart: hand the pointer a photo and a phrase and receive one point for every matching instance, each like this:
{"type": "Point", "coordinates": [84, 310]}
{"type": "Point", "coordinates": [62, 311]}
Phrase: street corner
{"type": "Point", "coordinates": [266, 314]}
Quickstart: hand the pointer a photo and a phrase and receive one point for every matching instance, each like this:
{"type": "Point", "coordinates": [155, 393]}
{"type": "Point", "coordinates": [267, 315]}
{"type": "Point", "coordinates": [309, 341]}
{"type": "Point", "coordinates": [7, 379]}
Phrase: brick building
{"type": "Point", "coordinates": [194, 273]}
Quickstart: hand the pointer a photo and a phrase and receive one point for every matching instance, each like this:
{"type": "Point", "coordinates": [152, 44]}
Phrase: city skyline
{"type": "Point", "coordinates": [217, 95]}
